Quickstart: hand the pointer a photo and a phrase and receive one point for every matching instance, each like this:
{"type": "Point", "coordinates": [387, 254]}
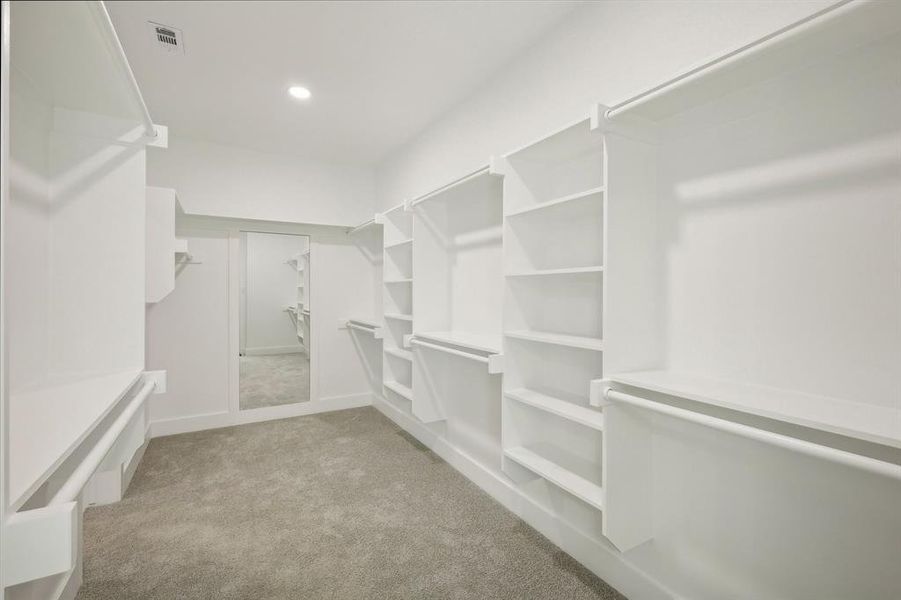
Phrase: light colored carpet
{"type": "Point", "coordinates": [342, 505]}
{"type": "Point", "coordinates": [273, 380]}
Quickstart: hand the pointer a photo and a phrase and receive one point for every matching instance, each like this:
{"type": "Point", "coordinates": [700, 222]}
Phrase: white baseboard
{"type": "Point", "coordinates": [256, 415]}
{"type": "Point", "coordinates": [601, 558]}
{"type": "Point", "coordinates": [266, 350]}
{"type": "Point", "coordinates": [300, 409]}
{"type": "Point", "coordinates": [189, 424]}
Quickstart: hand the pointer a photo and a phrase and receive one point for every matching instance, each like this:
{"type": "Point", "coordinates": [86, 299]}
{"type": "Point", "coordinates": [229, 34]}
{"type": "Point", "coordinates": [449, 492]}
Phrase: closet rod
{"type": "Point", "coordinates": [849, 459]}
{"type": "Point", "coordinates": [351, 325]}
{"type": "Point", "coordinates": [362, 225]}
{"type": "Point", "coordinates": [452, 184]}
{"type": "Point", "coordinates": [109, 31]}
{"type": "Point", "coordinates": [723, 61]}
{"type": "Point", "coordinates": [469, 355]}
{"type": "Point", "coordinates": [70, 490]}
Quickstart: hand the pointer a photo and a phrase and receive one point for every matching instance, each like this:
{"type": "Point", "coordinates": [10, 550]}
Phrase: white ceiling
{"type": "Point", "coordinates": [380, 72]}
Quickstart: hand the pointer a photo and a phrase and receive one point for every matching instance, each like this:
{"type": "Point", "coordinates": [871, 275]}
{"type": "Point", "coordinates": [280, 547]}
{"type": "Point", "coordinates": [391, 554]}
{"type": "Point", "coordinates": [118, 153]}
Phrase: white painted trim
{"type": "Point", "coordinates": [269, 350]}
{"type": "Point", "coordinates": [303, 408]}
{"type": "Point", "coordinates": [233, 302]}
{"type": "Point", "coordinates": [268, 413]}
{"type": "Point", "coordinates": [189, 424]}
{"type": "Point", "coordinates": [599, 557]}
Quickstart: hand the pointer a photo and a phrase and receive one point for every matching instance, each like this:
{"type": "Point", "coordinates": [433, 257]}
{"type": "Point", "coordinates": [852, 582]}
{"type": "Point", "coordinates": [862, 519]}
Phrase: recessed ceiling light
{"type": "Point", "coordinates": [299, 92]}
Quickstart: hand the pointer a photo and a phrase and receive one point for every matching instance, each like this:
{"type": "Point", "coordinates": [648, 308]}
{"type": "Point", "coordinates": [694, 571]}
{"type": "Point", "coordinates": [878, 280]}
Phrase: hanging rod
{"type": "Point", "coordinates": [721, 62]}
{"type": "Point", "coordinates": [842, 457]}
{"type": "Point", "coordinates": [469, 355]}
{"type": "Point", "coordinates": [362, 225]}
{"type": "Point", "coordinates": [70, 490]}
{"type": "Point", "coordinates": [109, 32]}
{"type": "Point", "coordinates": [452, 184]}
{"type": "Point", "coordinates": [375, 331]}
{"type": "Point", "coordinates": [495, 362]}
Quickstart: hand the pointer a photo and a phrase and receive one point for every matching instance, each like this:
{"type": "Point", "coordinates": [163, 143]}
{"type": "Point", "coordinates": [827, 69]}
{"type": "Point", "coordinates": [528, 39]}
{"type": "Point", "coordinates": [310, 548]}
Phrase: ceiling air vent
{"type": "Point", "coordinates": [168, 39]}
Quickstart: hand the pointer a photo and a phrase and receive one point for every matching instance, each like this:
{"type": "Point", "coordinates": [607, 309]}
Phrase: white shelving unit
{"type": "Point", "coordinates": [74, 288]}
{"type": "Point", "coordinates": [554, 240]}
{"type": "Point", "coordinates": [300, 312]}
{"type": "Point", "coordinates": [748, 376]}
{"type": "Point", "coordinates": [458, 326]}
{"type": "Point", "coordinates": [52, 420]}
{"type": "Point", "coordinates": [367, 332]}
{"type": "Point", "coordinates": [397, 305]}
{"type": "Point", "coordinates": [688, 234]}
{"type": "Point", "coordinates": [164, 250]}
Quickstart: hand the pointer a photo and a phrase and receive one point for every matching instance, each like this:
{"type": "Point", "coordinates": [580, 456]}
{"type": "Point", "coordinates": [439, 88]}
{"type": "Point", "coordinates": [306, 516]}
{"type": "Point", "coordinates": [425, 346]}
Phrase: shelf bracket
{"type": "Point", "coordinates": [39, 543]}
{"type": "Point", "coordinates": [597, 392]}
{"type": "Point", "coordinates": [630, 127]}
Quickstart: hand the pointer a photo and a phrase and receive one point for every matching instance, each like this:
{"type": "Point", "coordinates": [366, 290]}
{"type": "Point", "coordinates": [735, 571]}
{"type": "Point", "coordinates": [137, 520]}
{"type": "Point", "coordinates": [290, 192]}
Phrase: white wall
{"type": "Point", "coordinates": [29, 181]}
{"type": "Point", "coordinates": [271, 287]}
{"type": "Point", "coordinates": [786, 195]}
{"type": "Point", "coordinates": [189, 331]}
{"type": "Point", "coordinates": [605, 52]}
{"type": "Point", "coordinates": [228, 181]}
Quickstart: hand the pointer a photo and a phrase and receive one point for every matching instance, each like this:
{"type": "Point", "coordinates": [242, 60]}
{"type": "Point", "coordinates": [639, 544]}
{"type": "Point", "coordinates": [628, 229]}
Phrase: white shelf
{"type": "Point", "coordinates": [840, 28]}
{"type": "Point", "coordinates": [567, 271]}
{"type": "Point", "coordinates": [482, 342]}
{"type": "Point", "coordinates": [388, 281]}
{"type": "Point", "coordinates": [48, 423]}
{"type": "Point", "coordinates": [398, 244]}
{"type": "Point", "coordinates": [559, 339]}
{"type": "Point", "coordinates": [399, 353]}
{"type": "Point", "coordinates": [567, 480]}
{"type": "Point", "coordinates": [399, 317]}
{"type": "Point", "coordinates": [567, 410]}
{"type": "Point", "coordinates": [585, 194]}
{"type": "Point", "coordinates": [573, 140]}
{"type": "Point", "coordinates": [877, 424]}
{"type": "Point", "coordinates": [400, 390]}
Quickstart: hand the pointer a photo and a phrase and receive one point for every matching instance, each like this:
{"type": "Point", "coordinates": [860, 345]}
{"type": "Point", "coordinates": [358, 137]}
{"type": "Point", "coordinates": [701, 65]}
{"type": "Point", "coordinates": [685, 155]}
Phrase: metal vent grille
{"type": "Point", "coordinates": [166, 36]}
{"type": "Point", "coordinates": [168, 39]}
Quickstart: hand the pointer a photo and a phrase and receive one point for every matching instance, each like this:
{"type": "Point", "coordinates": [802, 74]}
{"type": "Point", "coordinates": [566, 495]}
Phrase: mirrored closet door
{"type": "Point", "coordinates": [274, 344]}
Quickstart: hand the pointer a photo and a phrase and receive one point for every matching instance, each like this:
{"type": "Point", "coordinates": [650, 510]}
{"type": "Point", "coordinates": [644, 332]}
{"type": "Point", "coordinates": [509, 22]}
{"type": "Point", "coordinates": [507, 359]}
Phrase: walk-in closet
{"type": "Point", "coordinates": [435, 299]}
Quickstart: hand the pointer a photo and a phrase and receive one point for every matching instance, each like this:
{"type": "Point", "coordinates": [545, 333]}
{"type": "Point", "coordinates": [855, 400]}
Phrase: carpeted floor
{"type": "Point", "coordinates": [273, 380]}
{"type": "Point", "coordinates": [342, 505]}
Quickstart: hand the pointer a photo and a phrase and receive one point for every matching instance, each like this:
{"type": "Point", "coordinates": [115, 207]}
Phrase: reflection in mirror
{"type": "Point", "coordinates": [275, 319]}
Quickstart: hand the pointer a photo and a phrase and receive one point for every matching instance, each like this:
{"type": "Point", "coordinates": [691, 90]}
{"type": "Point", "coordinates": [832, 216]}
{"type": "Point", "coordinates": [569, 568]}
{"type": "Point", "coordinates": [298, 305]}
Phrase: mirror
{"type": "Point", "coordinates": [274, 346]}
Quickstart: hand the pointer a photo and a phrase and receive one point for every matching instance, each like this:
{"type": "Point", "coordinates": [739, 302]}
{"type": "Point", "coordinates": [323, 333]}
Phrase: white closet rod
{"type": "Point", "coordinates": [362, 225]}
{"type": "Point", "coordinates": [721, 62]}
{"type": "Point", "coordinates": [857, 461]}
{"type": "Point", "coordinates": [469, 355]}
{"type": "Point", "coordinates": [361, 328]}
{"type": "Point", "coordinates": [121, 61]}
{"type": "Point", "coordinates": [450, 185]}
{"type": "Point", "coordinates": [80, 476]}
